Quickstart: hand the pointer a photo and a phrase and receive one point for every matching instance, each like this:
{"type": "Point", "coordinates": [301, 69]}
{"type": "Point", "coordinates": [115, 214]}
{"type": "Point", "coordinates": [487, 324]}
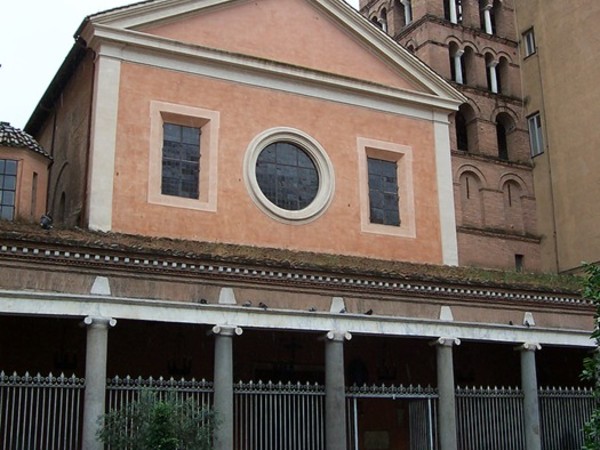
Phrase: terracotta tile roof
{"type": "Point", "coordinates": [342, 265]}
{"type": "Point", "coordinates": [14, 137]}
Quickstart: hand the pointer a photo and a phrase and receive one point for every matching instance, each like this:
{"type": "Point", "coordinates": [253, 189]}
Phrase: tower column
{"type": "Point", "coordinates": [223, 385]}
{"type": "Point", "coordinates": [95, 379]}
{"type": "Point", "coordinates": [531, 411]}
{"type": "Point", "coordinates": [487, 19]}
{"type": "Point", "coordinates": [335, 391]}
{"type": "Point", "coordinates": [493, 76]}
{"type": "Point", "coordinates": [458, 71]}
{"type": "Point", "coordinates": [453, 12]}
{"type": "Point", "coordinates": [446, 391]}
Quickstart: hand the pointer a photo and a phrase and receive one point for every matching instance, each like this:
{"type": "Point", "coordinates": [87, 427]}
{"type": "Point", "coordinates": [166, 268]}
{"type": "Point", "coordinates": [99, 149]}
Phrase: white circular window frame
{"type": "Point", "coordinates": [318, 156]}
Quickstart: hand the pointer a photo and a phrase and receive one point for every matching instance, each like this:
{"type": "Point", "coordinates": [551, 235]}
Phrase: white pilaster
{"type": "Point", "coordinates": [105, 105]}
{"type": "Point", "coordinates": [445, 190]}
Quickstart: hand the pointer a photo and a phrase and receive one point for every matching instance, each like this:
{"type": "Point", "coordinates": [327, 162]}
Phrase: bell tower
{"type": "Point", "coordinates": [473, 44]}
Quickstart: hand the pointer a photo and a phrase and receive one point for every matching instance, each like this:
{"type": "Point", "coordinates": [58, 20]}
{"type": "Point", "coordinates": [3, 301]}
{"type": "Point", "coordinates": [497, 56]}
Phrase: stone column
{"type": "Point", "coordinates": [446, 391]}
{"type": "Point", "coordinates": [458, 72]}
{"type": "Point", "coordinates": [487, 18]}
{"type": "Point", "coordinates": [493, 77]}
{"type": "Point", "coordinates": [335, 391]}
{"type": "Point", "coordinates": [531, 411]}
{"type": "Point", "coordinates": [95, 379]}
{"type": "Point", "coordinates": [223, 385]}
{"type": "Point", "coordinates": [453, 14]}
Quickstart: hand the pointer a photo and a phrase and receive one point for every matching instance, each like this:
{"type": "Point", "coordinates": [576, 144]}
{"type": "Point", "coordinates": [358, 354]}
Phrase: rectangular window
{"type": "Point", "coordinates": [387, 204]}
{"type": "Point", "coordinates": [383, 192]}
{"type": "Point", "coordinates": [180, 161]}
{"type": "Point", "coordinates": [8, 188]}
{"type": "Point", "coordinates": [536, 138]}
{"type": "Point", "coordinates": [183, 156]}
{"type": "Point", "coordinates": [529, 42]}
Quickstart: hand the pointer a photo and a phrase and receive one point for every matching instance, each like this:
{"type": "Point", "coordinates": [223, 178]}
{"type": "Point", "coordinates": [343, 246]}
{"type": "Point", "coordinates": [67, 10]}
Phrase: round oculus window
{"type": "Point", "coordinates": [288, 175]}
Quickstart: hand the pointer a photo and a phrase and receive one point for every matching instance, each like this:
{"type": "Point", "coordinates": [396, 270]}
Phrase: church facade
{"type": "Point", "coordinates": [271, 192]}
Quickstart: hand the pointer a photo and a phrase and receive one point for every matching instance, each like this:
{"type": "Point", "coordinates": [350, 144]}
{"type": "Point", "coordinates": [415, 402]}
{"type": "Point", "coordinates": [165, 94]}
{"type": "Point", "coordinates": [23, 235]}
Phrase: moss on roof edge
{"type": "Point", "coordinates": [291, 259]}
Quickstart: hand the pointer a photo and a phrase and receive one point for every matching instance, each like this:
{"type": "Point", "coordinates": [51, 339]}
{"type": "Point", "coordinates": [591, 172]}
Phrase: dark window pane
{"type": "Point", "coordinates": [11, 167]}
{"type": "Point", "coordinates": [172, 132]}
{"type": "Point", "coordinates": [8, 188]}
{"type": "Point", "coordinates": [6, 212]}
{"type": "Point", "coordinates": [181, 161]}
{"type": "Point", "coordinates": [383, 192]}
{"type": "Point", "coordinates": [287, 176]}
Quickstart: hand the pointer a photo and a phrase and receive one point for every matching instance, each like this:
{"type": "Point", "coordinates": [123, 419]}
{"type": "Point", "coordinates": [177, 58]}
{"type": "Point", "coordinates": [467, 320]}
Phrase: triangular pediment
{"type": "Point", "coordinates": [318, 36]}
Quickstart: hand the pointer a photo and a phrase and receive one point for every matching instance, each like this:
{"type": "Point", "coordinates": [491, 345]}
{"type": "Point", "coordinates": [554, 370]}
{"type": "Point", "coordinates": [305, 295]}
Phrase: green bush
{"type": "Point", "coordinates": [158, 422]}
{"type": "Point", "coordinates": [591, 365]}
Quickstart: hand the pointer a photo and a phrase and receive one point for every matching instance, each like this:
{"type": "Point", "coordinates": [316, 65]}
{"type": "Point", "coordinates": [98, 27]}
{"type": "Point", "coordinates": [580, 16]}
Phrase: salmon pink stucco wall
{"type": "Point", "coordinates": [288, 31]}
{"type": "Point", "coordinates": [245, 112]}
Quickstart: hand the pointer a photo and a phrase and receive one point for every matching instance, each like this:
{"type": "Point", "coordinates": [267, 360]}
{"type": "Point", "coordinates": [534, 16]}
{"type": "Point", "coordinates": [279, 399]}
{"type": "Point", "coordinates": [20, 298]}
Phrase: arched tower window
{"type": "Point", "coordinates": [503, 80]}
{"type": "Point", "coordinates": [383, 21]}
{"type": "Point", "coordinates": [468, 60]}
{"type": "Point", "coordinates": [466, 128]}
{"type": "Point", "coordinates": [504, 126]}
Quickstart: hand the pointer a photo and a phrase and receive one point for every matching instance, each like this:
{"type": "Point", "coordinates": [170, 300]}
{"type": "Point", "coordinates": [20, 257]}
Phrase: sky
{"type": "Point", "coordinates": [35, 37]}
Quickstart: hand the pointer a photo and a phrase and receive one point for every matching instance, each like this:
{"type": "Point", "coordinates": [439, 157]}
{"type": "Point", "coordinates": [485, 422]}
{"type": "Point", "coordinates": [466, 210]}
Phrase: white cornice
{"type": "Point", "coordinates": [358, 27]}
{"type": "Point", "coordinates": [67, 305]}
{"type": "Point", "coordinates": [137, 47]}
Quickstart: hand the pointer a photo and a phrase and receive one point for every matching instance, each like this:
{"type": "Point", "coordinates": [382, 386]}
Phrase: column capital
{"type": "Point", "coordinates": [339, 336]}
{"type": "Point", "coordinates": [528, 346]}
{"type": "Point", "coordinates": [446, 341]}
{"type": "Point", "coordinates": [99, 322]}
{"type": "Point", "coordinates": [227, 330]}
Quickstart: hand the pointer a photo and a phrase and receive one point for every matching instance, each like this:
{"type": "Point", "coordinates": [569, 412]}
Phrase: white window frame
{"type": "Point", "coordinates": [402, 155]}
{"type": "Point", "coordinates": [208, 122]}
{"type": "Point", "coordinates": [536, 137]}
{"type": "Point", "coordinates": [529, 42]}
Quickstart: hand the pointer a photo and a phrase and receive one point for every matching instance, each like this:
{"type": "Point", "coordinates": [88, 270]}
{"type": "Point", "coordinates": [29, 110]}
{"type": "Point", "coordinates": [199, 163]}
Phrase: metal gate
{"type": "Point", "coordinates": [422, 413]}
{"type": "Point", "coordinates": [40, 412]}
{"type": "Point", "coordinates": [276, 416]}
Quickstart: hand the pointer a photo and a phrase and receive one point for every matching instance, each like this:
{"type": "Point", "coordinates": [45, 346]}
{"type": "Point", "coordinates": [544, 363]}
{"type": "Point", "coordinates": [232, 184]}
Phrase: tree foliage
{"type": "Point", "coordinates": [158, 421]}
{"type": "Point", "coordinates": [591, 365]}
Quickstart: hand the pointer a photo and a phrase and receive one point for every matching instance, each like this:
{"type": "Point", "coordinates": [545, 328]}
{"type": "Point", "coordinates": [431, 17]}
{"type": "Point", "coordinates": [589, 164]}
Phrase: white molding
{"type": "Point", "coordinates": [103, 142]}
{"type": "Point", "coordinates": [403, 156]}
{"type": "Point", "coordinates": [209, 122]}
{"type": "Point", "coordinates": [79, 306]}
{"type": "Point", "coordinates": [445, 188]}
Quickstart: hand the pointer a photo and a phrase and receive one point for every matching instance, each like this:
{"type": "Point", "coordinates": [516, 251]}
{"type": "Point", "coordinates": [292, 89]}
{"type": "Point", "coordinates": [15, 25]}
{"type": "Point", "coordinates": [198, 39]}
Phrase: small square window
{"type": "Point", "coordinates": [536, 137]}
{"type": "Point", "coordinates": [529, 42]}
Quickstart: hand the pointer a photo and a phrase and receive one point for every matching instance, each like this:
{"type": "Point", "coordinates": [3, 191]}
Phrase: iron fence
{"type": "Point", "coordinates": [563, 412]}
{"type": "Point", "coordinates": [44, 412]}
{"type": "Point", "coordinates": [40, 412]}
{"type": "Point", "coordinates": [274, 416]}
{"type": "Point", "coordinates": [489, 418]}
